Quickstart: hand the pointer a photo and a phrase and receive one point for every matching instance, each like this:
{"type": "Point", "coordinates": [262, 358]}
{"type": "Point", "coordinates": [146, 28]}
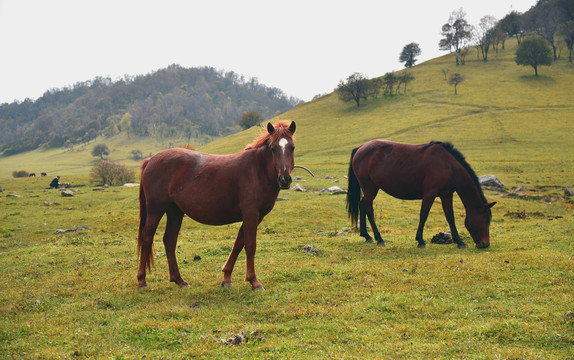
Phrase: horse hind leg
{"type": "Point", "coordinates": [367, 209]}
{"type": "Point", "coordinates": [146, 245]}
{"type": "Point", "coordinates": [172, 227]}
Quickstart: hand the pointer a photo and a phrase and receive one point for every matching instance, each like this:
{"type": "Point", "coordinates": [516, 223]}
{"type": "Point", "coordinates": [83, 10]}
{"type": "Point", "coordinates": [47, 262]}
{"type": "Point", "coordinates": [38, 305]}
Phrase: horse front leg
{"type": "Point", "coordinates": [230, 263]}
{"type": "Point", "coordinates": [250, 240]}
{"type": "Point", "coordinates": [424, 213]}
{"type": "Point", "coordinates": [172, 227]}
{"type": "Point", "coordinates": [446, 201]}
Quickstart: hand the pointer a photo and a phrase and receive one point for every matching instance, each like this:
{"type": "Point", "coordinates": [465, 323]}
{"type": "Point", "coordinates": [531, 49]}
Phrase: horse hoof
{"type": "Point", "coordinates": [381, 243]}
{"type": "Point", "coordinates": [228, 284]}
{"type": "Point", "coordinates": [370, 241]}
{"type": "Point", "coordinates": [462, 246]}
{"type": "Point", "coordinates": [422, 246]}
{"type": "Point", "coordinates": [142, 286]}
{"type": "Point", "coordinates": [259, 288]}
{"type": "Point", "coordinates": [184, 285]}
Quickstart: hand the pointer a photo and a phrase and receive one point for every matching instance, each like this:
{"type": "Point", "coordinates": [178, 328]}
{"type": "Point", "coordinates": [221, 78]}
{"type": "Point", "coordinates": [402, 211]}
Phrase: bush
{"type": "Point", "coordinates": [249, 119]}
{"type": "Point", "coordinates": [137, 154]}
{"type": "Point", "coordinates": [20, 173]}
{"type": "Point", "coordinates": [112, 173]}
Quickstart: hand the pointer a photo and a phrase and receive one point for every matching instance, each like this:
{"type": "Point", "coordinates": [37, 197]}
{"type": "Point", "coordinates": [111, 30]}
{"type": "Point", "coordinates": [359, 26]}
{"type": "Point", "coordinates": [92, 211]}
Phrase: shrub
{"type": "Point", "coordinates": [137, 154]}
{"type": "Point", "coordinates": [112, 173]}
{"type": "Point", "coordinates": [20, 173]}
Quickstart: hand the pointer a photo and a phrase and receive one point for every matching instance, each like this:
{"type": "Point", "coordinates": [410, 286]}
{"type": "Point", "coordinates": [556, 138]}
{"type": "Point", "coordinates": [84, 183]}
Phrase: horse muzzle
{"type": "Point", "coordinates": [284, 181]}
{"type": "Point", "coordinates": [483, 244]}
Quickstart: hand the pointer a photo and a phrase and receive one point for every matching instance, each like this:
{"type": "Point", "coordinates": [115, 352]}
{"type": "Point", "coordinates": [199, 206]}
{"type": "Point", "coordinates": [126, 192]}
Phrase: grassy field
{"type": "Point", "coordinates": [74, 294]}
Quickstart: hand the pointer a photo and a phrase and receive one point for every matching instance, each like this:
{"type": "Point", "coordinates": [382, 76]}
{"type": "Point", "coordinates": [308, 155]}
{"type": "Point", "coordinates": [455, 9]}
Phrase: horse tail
{"type": "Point", "coordinates": [143, 218]}
{"type": "Point", "coordinates": [353, 192]}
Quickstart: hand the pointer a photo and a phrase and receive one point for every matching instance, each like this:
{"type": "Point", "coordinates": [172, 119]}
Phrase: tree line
{"type": "Point", "coordinates": [172, 102]}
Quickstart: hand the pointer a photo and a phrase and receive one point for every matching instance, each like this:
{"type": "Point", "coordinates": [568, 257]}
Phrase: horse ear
{"type": "Point", "coordinates": [490, 205]}
{"type": "Point", "coordinates": [292, 127]}
{"type": "Point", "coordinates": [270, 128]}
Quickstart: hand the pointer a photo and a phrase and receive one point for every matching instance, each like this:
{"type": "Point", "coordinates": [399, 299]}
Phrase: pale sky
{"type": "Point", "coordinates": [303, 47]}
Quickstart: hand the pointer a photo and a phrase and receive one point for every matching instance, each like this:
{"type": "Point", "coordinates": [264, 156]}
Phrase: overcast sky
{"type": "Point", "coordinates": [303, 47]}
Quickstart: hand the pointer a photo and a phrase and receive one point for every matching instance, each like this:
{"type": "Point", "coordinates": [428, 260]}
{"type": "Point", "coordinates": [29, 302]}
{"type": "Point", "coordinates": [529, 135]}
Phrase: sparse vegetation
{"type": "Point", "coordinates": [108, 172]}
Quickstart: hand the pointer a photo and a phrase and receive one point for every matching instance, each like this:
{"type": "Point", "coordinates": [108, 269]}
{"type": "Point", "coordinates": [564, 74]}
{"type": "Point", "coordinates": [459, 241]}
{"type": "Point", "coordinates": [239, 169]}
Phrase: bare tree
{"type": "Point", "coordinates": [457, 34]}
{"type": "Point", "coordinates": [485, 34]}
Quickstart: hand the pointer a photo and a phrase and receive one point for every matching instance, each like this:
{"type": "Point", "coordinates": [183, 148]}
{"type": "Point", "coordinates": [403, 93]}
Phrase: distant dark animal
{"type": "Point", "coordinates": [32, 174]}
{"type": "Point", "coordinates": [43, 174]}
{"type": "Point", "coordinates": [213, 190]}
{"type": "Point", "coordinates": [412, 172]}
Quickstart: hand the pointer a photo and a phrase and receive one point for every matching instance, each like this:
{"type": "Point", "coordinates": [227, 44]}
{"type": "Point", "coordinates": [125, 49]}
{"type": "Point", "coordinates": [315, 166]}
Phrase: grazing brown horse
{"type": "Point", "coordinates": [413, 172]}
{"type": "Point", "coordinates": [214, 190]}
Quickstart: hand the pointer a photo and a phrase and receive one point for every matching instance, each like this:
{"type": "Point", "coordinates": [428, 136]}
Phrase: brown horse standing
{"type": "Point", "coordinates": [214, 190]}
{"type": "Point", "coordinates": [412, 172]}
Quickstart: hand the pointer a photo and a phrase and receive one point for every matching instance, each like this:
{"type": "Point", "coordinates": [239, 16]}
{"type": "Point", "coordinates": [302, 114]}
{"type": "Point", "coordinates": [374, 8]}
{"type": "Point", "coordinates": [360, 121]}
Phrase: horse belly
{"type": "Point", "coordinates": [402, 192]}
{"type": "Point", "coordinates": [210, 207]}
{"type": "Point", "coordinates": [394, 180]}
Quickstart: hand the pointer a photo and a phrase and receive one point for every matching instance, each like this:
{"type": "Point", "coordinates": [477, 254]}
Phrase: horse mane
{"type": "Point", "coordinates": [460, 158]}
{"type": "Point", "coordinates": [281, 129]}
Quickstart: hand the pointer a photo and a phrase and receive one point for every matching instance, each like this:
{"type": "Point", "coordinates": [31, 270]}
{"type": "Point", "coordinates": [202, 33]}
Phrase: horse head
{"type": "Point", "coordinates": [477, 223]}
{"type": "Point", "coordinates": [282, 148]}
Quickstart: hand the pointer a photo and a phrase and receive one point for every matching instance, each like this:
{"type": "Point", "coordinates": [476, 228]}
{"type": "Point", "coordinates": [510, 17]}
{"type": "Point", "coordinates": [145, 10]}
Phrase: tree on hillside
{"type": "Point", "coordinates": [410, 51]}
{"type": "Point", "coordinates": [511, 25]}
{"type": "Point", "coordinates": [249, 119]}
{"type": "Point", "coordinates": [456, 34]}
{"type": "Point", "coordinates": [567, 32]}
{"type": "Point", "coordinates": [405, 79]}
{"type": "Point", "coordinates": [100, 150]}
{"type": "Point", "coordinates": [455, 79]}
{"type": "Point", "coordinates": [126, 123]}
{"type": "Point", "coordinates": [355, 88]}
{"type": "Point", "coordinates": [534, 52]}
{"type": "Point", "coordinates": [485, 34]}
{"type": "Point", "coordinates": [546, 19]}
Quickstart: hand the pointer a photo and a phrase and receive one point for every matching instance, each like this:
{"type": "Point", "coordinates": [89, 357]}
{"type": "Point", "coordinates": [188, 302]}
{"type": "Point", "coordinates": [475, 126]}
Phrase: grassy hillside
{"type": "Point", "coordinates": [74, 294]}
{"type": "Point", "coordinates": [503, 119]}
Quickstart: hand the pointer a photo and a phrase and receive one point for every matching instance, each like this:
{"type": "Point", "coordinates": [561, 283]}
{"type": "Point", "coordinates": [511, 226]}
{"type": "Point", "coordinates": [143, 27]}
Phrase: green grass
{"type": "Point", "coordinates": [74, 295]}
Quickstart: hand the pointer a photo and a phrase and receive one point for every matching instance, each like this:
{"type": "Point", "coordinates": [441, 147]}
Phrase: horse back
{"type": "Point", "coordinates": [402, 170]}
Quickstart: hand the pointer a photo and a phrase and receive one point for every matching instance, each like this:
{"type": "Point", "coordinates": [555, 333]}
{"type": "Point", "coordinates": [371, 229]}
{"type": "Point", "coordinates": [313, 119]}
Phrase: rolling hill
{"type": "Point", "coordinates": [504, 119]}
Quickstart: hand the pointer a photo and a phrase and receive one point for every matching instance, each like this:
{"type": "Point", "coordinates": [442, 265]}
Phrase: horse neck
{"type": "Point", "coordinates": [263, 159]}
{"type": "Point", "coordinates": [467, 190]}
